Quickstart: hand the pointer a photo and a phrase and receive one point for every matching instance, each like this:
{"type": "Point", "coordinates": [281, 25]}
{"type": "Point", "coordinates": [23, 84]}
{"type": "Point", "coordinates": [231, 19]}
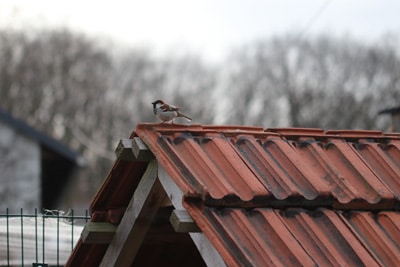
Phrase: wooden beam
{"type": "Point", "coordinates": [133, 150]}
{"type": "Point", "coordinates": [174, 193]}
{"type": "Point", "coordinates": [209, 254]}
{"type": "Point", "coordinates": [140, 150]}
{"type": "Point", "coordinates": [98, 233]}
{"type": "Point", "coordinates": [124, 151]}
{"type": "Point", "coordinates": [182, 222]}
{"type": "Point", "coordinates": [136, 221]}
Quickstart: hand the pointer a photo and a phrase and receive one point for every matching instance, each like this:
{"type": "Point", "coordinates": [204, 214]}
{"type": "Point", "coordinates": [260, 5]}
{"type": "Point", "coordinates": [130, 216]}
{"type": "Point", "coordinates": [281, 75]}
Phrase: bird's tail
{"type": "Point", "coordinates": [184, 116]}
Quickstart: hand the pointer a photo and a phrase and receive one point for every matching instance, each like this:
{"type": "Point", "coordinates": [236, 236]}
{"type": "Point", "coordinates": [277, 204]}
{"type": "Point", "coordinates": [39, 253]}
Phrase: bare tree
{"type": "Point", "coordinates": [320, 82]}
{"type": "Point", "coordinates": [57, 81]}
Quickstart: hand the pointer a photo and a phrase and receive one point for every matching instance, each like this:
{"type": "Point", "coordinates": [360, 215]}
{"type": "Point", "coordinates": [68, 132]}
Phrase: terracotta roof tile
{"type": "Point", "coordinates": [294, 237]}
{"type": "Point", "coordinates": [250, 167]}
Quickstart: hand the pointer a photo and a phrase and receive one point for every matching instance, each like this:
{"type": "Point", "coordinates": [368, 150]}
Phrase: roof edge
{"type": "Point", "coordinates": [43, 139]}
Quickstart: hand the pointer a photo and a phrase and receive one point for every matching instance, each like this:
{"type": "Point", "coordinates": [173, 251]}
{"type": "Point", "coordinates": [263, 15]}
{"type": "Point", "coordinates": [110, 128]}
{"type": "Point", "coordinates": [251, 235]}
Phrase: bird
{"type": "Point", "coordinates": [166, 112]}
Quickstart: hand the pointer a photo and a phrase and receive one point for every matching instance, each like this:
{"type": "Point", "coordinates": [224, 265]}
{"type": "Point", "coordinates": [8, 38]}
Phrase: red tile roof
{"type": "Point", "coordinates": [250, 167]}
{"type": "Point", "coordinates": [287, 196]}
{"type": "Point", "coordinates": [300, 237]}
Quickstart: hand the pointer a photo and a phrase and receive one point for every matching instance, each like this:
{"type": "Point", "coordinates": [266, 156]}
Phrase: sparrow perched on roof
{"type": "Point", "coordinates": [166, 112]}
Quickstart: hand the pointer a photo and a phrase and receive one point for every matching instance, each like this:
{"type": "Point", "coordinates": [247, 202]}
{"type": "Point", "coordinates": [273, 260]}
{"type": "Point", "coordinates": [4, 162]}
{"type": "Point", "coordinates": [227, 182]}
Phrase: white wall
{"type": "Point", "coordinates": [19, 171]}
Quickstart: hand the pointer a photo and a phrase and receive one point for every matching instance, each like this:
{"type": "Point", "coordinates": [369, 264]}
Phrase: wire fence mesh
{"type": "Point", "coordinates": [39, 239]}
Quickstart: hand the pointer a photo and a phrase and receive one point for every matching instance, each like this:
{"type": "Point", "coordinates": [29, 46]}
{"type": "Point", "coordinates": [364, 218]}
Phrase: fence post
{"type": "Point", "coordinates": [43, 247]}
{"type": "Point", "coordinates": [36, 237]}
{"type": "Point", "coordinates": [22, 237]}
{"type": "Point", "coordinates": [58, 238]}
{"type": "Point", "coordinates": [72, 229]}
{"type": "Point", "coordinates": [8, 239]}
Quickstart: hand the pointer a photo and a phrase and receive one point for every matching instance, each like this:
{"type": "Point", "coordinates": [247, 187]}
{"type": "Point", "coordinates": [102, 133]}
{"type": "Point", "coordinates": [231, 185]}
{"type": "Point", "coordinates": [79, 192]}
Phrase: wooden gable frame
{"type": "Point", "coordinates": [155, 187]}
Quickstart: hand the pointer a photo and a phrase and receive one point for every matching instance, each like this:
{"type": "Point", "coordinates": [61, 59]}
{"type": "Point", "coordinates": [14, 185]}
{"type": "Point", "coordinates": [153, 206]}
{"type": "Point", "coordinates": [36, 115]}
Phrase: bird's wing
{"type": "Point", "coordinates": [166, 107]}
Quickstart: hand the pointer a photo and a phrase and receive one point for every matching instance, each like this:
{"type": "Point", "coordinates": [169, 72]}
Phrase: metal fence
{"type": "Point", "coordinates": [39, 239]}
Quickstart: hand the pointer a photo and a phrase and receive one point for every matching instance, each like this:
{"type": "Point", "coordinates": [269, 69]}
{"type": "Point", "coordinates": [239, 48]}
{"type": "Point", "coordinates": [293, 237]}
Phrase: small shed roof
{"type": "Point", "coordinates": [282, 196]}
{"type": "Point", "coordinates": [41, 138]}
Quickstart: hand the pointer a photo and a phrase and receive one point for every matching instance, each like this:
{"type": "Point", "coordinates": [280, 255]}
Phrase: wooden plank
{"type": "Point", "coordinates": [133, 150]}
{"type": "Point", "coordinates": [98, 233]}
{"type": "Point", "coordinates": [182, 222]}
{"type": "Point", "coordinates": [174, 193]}
{"type": "Point", "coordinates": [124, 150]}
{"type": "Point", "coordinates": [140, 150]}
{"type": "Point", "coordinates": [209, 254]}
{"type": "Point", "coordinates": [136, 221]}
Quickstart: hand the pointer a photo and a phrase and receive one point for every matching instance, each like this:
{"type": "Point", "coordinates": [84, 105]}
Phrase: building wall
{"type": "Point", "coordinates": [20, 162]}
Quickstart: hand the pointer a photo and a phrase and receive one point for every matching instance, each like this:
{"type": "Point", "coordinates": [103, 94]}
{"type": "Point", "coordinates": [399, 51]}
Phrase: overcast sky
{"type": "Point", "coordinates": [206, 27]}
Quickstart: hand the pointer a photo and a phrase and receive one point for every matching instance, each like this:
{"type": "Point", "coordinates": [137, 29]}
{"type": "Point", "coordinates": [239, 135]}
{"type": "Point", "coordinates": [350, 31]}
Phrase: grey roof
{"type": "Point", "coordinates": [395, 110]}
{"type": "Point", "coordinates": [41, 138]}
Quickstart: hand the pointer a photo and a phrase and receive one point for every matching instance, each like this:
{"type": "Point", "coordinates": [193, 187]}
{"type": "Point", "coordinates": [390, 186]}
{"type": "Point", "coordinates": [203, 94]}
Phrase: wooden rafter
{"type": "Point", "coordinates": [98, 233]}
{"type": "Point", "coordinates": [209, 254]}
{"type": "Point", "coordinates": [182, 222]}
{"type": "Point", "coordinates": [133, 150]}
{"type": "Point", "coordinates": [136, 221]}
